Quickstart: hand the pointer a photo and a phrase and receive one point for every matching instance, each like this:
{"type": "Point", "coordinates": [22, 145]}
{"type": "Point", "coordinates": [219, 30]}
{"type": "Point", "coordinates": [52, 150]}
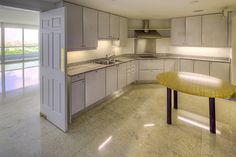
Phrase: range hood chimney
{"type": "Point", "coordinates": [147, 33]}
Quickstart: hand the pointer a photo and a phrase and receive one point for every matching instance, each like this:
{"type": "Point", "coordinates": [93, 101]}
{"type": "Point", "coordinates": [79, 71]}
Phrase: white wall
{"type": "Point", "coordinates": [105, 47]}
{"type": "Point", "coordinates": [19, 16]}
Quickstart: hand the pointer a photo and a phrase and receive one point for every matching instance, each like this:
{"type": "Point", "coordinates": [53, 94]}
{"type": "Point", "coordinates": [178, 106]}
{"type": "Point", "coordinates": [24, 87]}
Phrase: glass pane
{"type": "Point", "coordinates": [0, 45]}
{"type": "Point", "coordinates": [31, 64]}
{"type": "Point", "coordinates": [0, 78]}
{"type": "Point", "coordinates": [31, 40]}
{"type": "Point", "coordinates": [31, 76]}
{"type": "Point", "coordinates": [13, 76]}
{"type": "Point", "coordinates": [13, 44]}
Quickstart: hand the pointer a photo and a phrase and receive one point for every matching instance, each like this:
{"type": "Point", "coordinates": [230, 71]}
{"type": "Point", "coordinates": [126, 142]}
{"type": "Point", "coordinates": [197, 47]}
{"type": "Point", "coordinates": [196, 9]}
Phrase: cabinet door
{"type": "Point", "coordinates": [123, 31]}
{"type": "Point", "coordinates": [114, 26]}
{"type": "Point", "coordinates": [194, 31]}
{"type": "Point", "coordinates": [131, 72]}
{"type": "Point", "coordinates": [220, 70]}
{"type": "Point", "coordinates": [77, 96]}
{"type": "Point", "coordinates": [151, 64]}
{"type": "Point", "coordinates": [103, 25]}
{"type": "Point", "coordinates": [178, 31]}
{"type": "Point", "coordinates": [74, 27]}
{"type": "Point", "coordinates": [111, 80]}
{"type": "Point", "coordinates": [95, 86]}
{"type": "Point", "coordinates": [214, 30]}
{"type": "Point", "coordinates": [170, 65]}
{"type": "Point", "coordinates": [122, 76]}
{"type": "Point", "coordinates": [90, 26]}
{"type": "Point", "coordinates": [149, 75]}
{"type": "Point", "coordinates": [202, 67]}
{"type": "Point", "coordinates": [186, 65]}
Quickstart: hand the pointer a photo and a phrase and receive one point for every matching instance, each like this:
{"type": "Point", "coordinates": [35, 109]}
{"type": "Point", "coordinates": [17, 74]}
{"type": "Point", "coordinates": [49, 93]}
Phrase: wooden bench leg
{"type": "Point", "coordinates": [169, 120]}
{"type": "Point", "coordinates": [212, 115]}
{"type": "Point", "coordinates": [175, 99]}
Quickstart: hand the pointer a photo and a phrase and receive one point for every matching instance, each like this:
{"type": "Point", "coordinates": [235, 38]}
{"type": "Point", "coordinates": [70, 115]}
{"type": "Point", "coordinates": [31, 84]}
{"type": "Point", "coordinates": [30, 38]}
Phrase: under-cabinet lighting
{"type": "Point", "coordinates": [149, 125]}
{"type": "Point", "coordinates": [197, 124]}
{"type": "Point", "coordinates": [104, 143]}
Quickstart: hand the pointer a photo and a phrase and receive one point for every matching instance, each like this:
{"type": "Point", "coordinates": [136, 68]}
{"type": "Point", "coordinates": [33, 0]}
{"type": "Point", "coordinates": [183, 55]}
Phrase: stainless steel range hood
{"type": "Point", "coordinates": [147, 33]}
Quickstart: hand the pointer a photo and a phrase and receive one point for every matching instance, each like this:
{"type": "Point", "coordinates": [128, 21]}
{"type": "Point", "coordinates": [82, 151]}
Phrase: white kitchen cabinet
{"type": "Point", "coordinates": [123, 31]}
{"type": "Point", "coordinates": [114, 26]}
{"type": "Point", "coordinates": [194, 31]}
{"type": "Point", "coordinates": [214, 30]}
{"type": "Point", "coordinates": [111, 80]}
{"type": "Point", "coordinates": [149, 75]}
{"type": "Point", "coordinates": [95, 84]}
{"type": "Point", "coordinates": [151, 64]}
{"type": "Point", "coordinates": [90, 26]}
{"type": "Point", "coordinates": [202, 67]}
{"type": "Point", "coordinates": [74, 27]}
{"type": "Point", "coordinates": [77, 96]}
{"type": "Point", "coordinates": [220, 70]}
{"type": "Point", "coordinates": [170, 65]}
{"type": "Point", "coordinates": [178, 31]}
{"type": "Point", "coordinates": [103, 25]}
{"type": "Point", "coordinates": [122, 75]}
{"type": "Point", "coordinates": [186, 65]}
{"type": "Point", "coordinates": [131, 72]}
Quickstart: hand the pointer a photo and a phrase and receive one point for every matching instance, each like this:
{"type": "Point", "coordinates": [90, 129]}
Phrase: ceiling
{"type": "Point", "coordinates": [157, 9]}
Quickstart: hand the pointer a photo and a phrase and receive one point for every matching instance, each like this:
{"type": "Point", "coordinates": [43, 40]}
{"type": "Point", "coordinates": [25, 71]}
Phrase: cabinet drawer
{"type": "Point", "coordinates": [151, 64]}
{"type": "Point", "coordinates": [77, 77]}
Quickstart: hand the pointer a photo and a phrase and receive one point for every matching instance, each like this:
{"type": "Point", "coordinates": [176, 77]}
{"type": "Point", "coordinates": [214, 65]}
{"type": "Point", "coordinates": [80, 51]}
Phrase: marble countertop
{"type": "Point", "coordinates": [88, 66]}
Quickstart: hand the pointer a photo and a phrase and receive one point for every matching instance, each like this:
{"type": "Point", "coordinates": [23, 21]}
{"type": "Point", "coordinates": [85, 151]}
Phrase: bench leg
{"type": "Point", "coordinates": [175, 99]}
{"type": "Point", "coordinates": [169, 120]}
{"type": "Point", "coordinates": [212, 115]}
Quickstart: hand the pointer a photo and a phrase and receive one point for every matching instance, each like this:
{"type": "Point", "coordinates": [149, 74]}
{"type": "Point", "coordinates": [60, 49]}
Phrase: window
{"type": "Point", "coordinates": [13, 76]}
{"type": "Point", "coordinates": [21, 51]}
{"type": "Point", "coordinates": [31, 73]}
{"type": "Point", "coordinates": [13, 44]}
{"type": "Point", "coordinates": [31, 48]}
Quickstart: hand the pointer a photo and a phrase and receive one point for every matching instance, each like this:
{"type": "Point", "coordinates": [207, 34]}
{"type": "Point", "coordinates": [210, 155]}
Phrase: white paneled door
{"type": "Point", "coordinates": [53, 95]}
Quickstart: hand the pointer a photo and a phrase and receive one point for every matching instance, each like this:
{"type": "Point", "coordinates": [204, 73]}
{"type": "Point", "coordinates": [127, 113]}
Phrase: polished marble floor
{"type": "Point", "coordinates": [132, 125]}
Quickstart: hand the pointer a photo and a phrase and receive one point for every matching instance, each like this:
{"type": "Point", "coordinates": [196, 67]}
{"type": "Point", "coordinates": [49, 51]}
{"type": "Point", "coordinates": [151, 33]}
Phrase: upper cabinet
{"type": "Point", "coordinates": [103, 25]}
{"type": "Point", "coordinates": [214, 30]}
{"type": "Point", "coordinates": [194, 31]}
{"type": "Point", "coordinates": [207, 31]}
{"type": "Point", "coordinates": [114, 26]}
{"type": "Point", "coordinates": [90, 26]}
{"type": "Point", "coordinates": [123, 31]}
{"type": "Point", "coordinates": [81, 27]}
{"type": "Point", "coordinates": [74, 27]}
{"type": "Point", "coordinates": [230, 30]}
{"type": "Point", "coordinates": [178, 31]}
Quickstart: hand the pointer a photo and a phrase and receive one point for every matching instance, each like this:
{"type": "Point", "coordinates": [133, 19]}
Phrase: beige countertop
{"type": "Point", "coordinates": [91, 65]}
{"type": "Point", "coordinates": [87, 67]}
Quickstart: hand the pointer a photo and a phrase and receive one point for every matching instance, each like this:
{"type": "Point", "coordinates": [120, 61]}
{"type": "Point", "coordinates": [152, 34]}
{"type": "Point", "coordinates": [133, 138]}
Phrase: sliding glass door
{"type": "Point", "coordinates": [19, 57]}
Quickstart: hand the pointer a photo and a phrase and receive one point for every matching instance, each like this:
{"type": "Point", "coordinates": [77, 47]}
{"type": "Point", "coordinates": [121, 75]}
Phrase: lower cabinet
{"type": "Point", "coordinates": [202, 67]}
{"type": "Point", "coordinates": [186, 65]}
{"type": "Point", "coordinates": [220, 70]}
{"type": "Point", "coordinates": [149, 75]}
{"type": "Point", "coordinates": [131, 72]}
{"type": "Point", "coordinates": [111, 80]}
{"type": "Point", "coordinates": [170, 65]}
{"type": "Point", "coordinates": [95, 84]}
{"type": "Point", "coordinates": [77, 96]}
{"type": "Point", "coordinates": [122, 75]}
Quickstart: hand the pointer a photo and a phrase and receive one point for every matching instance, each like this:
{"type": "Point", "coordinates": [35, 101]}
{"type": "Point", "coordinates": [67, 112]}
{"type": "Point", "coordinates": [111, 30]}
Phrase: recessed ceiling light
{"type": "Point", "coordinates": [197, 11]}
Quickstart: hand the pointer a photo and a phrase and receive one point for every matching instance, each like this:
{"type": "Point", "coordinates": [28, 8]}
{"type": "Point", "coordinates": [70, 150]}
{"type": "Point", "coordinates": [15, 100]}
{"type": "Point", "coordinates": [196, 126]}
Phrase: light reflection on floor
{"type": "Point", "coordinates": [132, 125]}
